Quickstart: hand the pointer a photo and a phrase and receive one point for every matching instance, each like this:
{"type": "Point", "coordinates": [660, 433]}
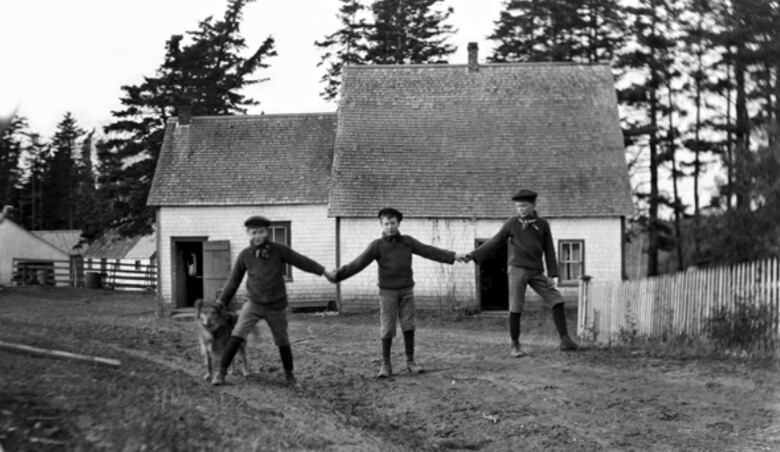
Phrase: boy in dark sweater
{"type": "Point", "coordinates": [529, 239]}
{"type": "Point", "coordinates": [264, 262]}
{"type": "Point", "coordinates": [393, 253]}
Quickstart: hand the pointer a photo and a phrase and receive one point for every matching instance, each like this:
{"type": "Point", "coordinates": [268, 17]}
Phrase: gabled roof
{"type": "Point", "coordinates": [441, 141]}
{"type": "Point", "coordinates": [110, 245]}
{"type": "Point", "coordinates": [144, 248]}
{"type": "Point", "coordinates": [64, 239]}
{"type": "Point", "coordinates": [245, 160]}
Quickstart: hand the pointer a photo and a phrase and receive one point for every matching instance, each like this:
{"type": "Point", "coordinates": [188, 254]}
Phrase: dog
{"type": "Point", "coordinates": [215, 323]}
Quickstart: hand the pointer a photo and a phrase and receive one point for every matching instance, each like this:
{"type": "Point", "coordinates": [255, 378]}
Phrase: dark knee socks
{"type": "Point", "coordinates": [285, 352]}
{"type": "Point", "coordinates": [514, 327]}
{"type": "Point", "coordinates": [559, 317]}
{"type": "Point", "coordinates": [234, 343]}
{"type": "Point", "coordinates": [387, 344]}
{"type": "Point", "coordinates": [409, 344]}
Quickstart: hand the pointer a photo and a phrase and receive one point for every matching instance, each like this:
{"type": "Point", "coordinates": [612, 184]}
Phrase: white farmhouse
{"type": "Point", "coordinates": [214, 172]}
{"type": "Point", "coordinates": [445, 144]}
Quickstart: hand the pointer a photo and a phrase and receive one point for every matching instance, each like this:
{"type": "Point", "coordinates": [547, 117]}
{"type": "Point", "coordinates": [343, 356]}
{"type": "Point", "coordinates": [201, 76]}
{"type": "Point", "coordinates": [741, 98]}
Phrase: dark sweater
{"type": "Point", "coordinates": [526, 246]}
{"type": "Point", "coordinates": [394, 257]}
{"type": "Point", "coordinates": [265, 281]}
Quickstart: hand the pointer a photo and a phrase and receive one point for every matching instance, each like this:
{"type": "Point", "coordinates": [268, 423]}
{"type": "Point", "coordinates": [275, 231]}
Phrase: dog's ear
{"type": "Point", "coordinates": [198, 306]}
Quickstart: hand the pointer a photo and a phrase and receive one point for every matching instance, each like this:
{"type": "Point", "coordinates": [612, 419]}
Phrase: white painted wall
{"type": "Point", "coordinates": [312, 234]}
{"type": "Point", "coordinates": [16, 242]}
{"type": "Point", "coordinates": [442, 286]}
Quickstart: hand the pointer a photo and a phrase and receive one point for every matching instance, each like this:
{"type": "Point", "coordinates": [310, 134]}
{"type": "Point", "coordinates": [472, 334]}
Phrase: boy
{"type": "Point", "coordinates": [264, 261]}
{"type": "Point", "coordinates": [529, 238]}
{"type": "Point", "coordinates": [393, 253]}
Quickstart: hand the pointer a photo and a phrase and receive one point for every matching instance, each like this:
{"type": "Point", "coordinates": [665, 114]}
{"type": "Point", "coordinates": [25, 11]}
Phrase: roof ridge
{"type": "Point", "coordinates": [264, 115]}
{"type": "Point", "coordinates": [481, 65]}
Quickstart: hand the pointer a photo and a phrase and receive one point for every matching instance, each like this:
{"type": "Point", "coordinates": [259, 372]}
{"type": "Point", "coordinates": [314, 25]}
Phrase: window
{"type": "Point", "coordinates": [89, 264]}
{"type": "Point", "coordinates": [137, 265]}
{"type": "Point", "coordinates": [571, 259]}
{"type": "Point", "coordinates": [279, 232]}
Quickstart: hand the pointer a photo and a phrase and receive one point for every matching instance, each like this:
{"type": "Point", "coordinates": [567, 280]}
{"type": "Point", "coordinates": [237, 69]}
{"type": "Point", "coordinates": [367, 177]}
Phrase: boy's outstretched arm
{"type": "Point", "coordinates": [356, 266]}
{"type": "Point", "coordinates": [302, 262]}
{"type": "Point", "coordinates": [431, 252]}
{"type": "Point", "coordinates": [231, 285]}
{"type": "Point", "coordinates": [489, 248]}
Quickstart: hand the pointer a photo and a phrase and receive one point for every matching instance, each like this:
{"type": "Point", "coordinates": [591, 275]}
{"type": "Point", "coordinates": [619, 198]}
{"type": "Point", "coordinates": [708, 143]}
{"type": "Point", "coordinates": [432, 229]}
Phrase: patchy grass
{"type": "Point", "coordinates": [473, 397]}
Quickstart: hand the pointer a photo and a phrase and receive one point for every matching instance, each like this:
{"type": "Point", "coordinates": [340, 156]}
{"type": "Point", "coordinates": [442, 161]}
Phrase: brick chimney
{"type": "Point", "coordinates": [184, 114]}
{"type": "Point", "coordinates": [473, 55]}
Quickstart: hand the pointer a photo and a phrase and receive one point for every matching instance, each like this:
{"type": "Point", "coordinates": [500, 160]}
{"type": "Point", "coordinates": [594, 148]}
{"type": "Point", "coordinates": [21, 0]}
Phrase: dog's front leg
{"type": "Point", "coordinates": [206, 354]}
{"type": "Point", "coordinates": [245, 363]}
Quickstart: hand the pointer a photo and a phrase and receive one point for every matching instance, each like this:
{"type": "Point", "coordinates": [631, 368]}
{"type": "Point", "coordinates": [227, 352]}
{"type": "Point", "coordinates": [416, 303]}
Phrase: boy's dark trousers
{"type": "Point", "coordinates": [251, 313]}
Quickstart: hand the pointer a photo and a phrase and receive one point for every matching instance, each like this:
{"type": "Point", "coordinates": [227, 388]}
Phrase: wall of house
{"type": "Point", "coordinates": [312, 234]}
{"type": "Point", "coordinates": [441, 286]}
{"type": "Point", "coordinates": [16, 242]}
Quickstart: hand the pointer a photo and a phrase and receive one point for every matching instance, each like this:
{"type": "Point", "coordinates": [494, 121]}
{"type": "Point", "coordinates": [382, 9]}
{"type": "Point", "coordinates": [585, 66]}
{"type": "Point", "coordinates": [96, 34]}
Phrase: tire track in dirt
{"type": "Point", "coordinates": [331, 427]}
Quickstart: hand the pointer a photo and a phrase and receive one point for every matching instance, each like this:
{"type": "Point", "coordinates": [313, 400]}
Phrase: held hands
{"type": "Point", "coordinates": [464, 258]}
{"type": "Point", "coordinates": [330, 275]}
{"type": "Point", "coordinates": [554, 281]}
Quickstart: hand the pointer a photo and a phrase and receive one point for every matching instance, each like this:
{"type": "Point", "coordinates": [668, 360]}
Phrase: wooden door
{"type": "Point", "coordinates": [216, 267]}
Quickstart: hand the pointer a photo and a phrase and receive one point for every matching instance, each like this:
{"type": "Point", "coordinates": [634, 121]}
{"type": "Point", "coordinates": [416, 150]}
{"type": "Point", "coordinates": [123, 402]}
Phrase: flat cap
{"type": "Point", "coordinates": [257, 221]}
{"type": "Point", "coordinates": [390, 212]}
{"type": "Point", "coordinates": [524, 195]}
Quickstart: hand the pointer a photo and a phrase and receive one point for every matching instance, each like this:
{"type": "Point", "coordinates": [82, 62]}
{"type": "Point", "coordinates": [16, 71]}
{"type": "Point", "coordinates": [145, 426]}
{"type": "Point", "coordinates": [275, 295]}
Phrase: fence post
{"type": "Point", "coordinates": [582, 304]}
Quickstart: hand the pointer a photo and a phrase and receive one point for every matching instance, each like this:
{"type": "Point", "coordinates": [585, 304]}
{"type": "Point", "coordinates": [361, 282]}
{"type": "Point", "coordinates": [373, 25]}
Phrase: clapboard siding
{"type": "Point", "coordinates": [442, 286]}
{"type": "Point", "coordinates": [312, 234]}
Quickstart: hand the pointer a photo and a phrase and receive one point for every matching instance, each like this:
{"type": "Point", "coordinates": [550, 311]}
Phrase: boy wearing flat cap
{"type": "Point", "coordinates": [393, 253]}
{"type": "Point", "coordinates": [529, 240]}
{"type": "Point", "coordinates": [263, 261]}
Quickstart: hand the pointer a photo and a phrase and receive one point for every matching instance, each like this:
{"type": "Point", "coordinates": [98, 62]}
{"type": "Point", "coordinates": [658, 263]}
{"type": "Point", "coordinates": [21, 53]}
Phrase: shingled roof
{"type": "Point", "coordinates": [245, 160]}
{"type": "Point", "coordinates": [444, 141]}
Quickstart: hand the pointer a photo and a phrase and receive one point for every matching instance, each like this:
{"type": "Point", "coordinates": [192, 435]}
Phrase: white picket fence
{"type": "Point", "coordinates": [675, 304]}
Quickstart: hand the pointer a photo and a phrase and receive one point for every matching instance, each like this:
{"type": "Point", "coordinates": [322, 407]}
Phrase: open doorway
{"type": "Point", "coordinates": [187, 270]}
{"type": "Point", "coordinates": [492, 281]}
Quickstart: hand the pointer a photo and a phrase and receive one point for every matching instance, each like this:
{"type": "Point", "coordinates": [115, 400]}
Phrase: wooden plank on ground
{"type": "Point", "coordinates": [58, 353]}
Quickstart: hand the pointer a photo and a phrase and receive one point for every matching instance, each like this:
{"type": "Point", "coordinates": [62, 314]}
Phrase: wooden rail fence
{"type": "Point", "coordinates": [73, 273]}
{"type": "Point", "coordinates": [677, 304]}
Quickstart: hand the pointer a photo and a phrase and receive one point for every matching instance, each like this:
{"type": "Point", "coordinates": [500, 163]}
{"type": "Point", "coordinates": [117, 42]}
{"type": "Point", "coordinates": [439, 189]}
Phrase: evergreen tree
{"type": "Point", "coordinates": [207, 74]}
{"type": "Point", "coordinates": [60, 179]}
{"type": "Point", "coordinates": [584, 31]}
{"type": "Point", "coordinates": [11, 144]}
{"type": "Point", "coordinates": [395, 32]}
{"type": "Point", "coordinates": [33, 196]}
{"type": "Point", "coordinates": [409, 32]}
{"type": "Point", "coordinates": [648, 59]}
{"type": "Point", "coordinates": [345, 46]}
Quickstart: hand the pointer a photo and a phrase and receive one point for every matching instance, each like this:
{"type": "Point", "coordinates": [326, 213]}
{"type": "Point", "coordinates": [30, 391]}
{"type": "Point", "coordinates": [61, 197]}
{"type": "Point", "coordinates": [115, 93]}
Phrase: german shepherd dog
{"type": "Point", "coordinates": [215, 323]}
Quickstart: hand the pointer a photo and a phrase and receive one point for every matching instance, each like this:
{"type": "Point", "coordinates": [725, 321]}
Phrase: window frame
{"type": "Point", "coordinates": [287, 226]}
{"type": "Point", "coordinates": [561, 263]}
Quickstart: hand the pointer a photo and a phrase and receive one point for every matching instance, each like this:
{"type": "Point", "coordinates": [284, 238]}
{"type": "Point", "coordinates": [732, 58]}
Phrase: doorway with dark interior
{"type": "Point", "coordinates": [187, 270]}
{"type": "Point", "coordinates": [492, 281]}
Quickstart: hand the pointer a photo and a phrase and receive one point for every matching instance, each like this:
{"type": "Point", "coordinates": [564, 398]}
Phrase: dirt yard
{"type": "Point", "coordinates": [474, 397]}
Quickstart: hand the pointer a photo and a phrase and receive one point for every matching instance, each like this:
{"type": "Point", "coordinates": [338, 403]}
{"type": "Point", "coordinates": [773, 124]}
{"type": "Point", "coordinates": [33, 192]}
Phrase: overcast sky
{"type": "Point", "coordinates": [74, 55]}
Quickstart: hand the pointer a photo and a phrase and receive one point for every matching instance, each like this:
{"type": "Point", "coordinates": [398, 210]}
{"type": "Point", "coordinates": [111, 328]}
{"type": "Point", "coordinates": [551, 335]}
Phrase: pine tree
{"type": "Point", "coordinates": [60, 178]}
{"type": "Point", "coordinates": [11, 144]}
{"type": "Point", "coordinates": [648, 60]}
{"type": "Point", "coordinates": [32, 194]}
{"type": "Point", "coordinates": [207, 74]}
{"type": "Point", "coordinates": [394, 32]}
{"type": "Point", "coordinates": [345, 46]}
{"type": "Point", "coordinates": [409, 32]}
{"type": "Point", "coordinates": [583, 31]}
